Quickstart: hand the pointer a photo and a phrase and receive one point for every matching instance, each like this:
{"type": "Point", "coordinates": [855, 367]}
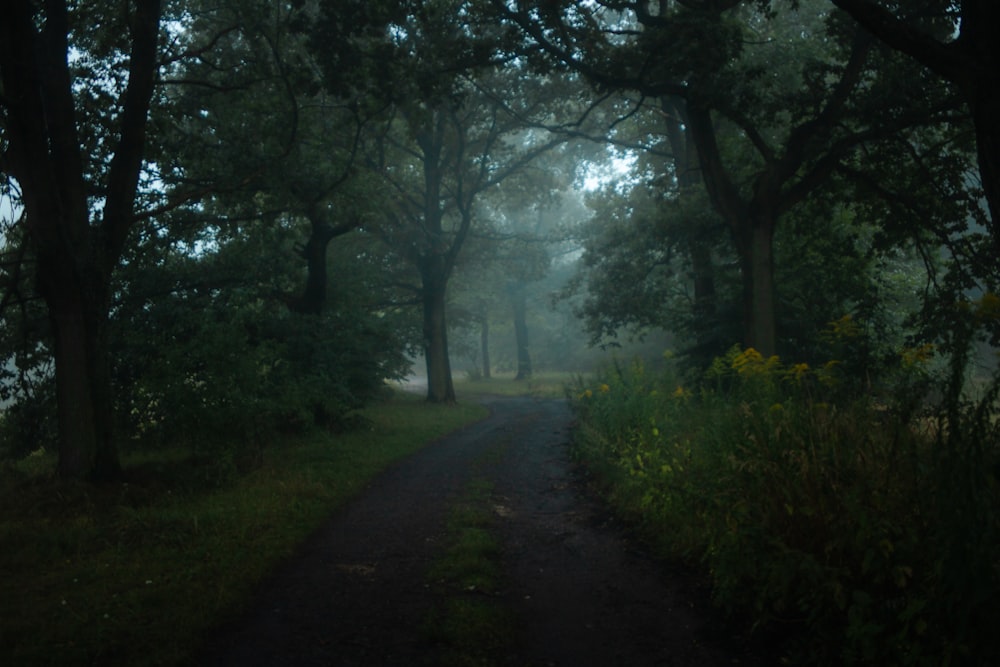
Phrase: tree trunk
{"type": "Point", "coordinates": [985, 106]}
{"type": "Point", "coordinates": [687, 169]}
{"type": "Point", "coordinates": [704, 308]}
{"type": "Point", "coordinates": [440, 388]}
{"type": "Point", "coordinates": [78, 312]}
{"type": "Point", "coordinates": [757, 269]}
{"type": "Point", "coordinates": [484, 342]}
{"type": "Point", "coordinates": [521, 332]}
{"type": "Point", "coordinates": [314, 252]}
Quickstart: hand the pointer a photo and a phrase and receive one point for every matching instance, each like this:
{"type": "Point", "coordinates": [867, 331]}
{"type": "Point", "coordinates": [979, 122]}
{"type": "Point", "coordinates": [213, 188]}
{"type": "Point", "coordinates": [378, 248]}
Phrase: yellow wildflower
{"type": "Point", "coordinates": [799, 371]}
{"type": "Point", "coordinates": [751, 362]}
{"type": "Point", "coordinates": [605, 388]}
{"type": "Point", "coordinates": [747, 357]}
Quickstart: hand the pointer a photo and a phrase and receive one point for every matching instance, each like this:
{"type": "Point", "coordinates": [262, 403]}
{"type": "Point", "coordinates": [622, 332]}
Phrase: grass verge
{"type": "Point", "coordinates": [540, 385]}
{"type": "Point", "coordinates": [136, 573]}
{"type": "Point", "coordinates": [470, 623]}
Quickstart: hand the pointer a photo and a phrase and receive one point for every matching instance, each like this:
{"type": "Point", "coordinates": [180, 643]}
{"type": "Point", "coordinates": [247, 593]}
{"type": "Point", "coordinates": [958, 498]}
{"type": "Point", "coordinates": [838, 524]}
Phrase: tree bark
{"type": "Point", "coordinates": [519, 301]}
{"type": "Point", "coordinates": [985, 107]}
{"type": "Point", "coordinates": [759, 309]}
{"type": "Point", "coordinates": [484, 341]}
{"type": "Point", "coordinates": [688, 173]}
{"type": "Point", "coordinates": [314, 251]}
{"type": "Point", "coordinates": [440, 387]}
{"type": "Point", "coordinates": [753, 235]}
{"type": "Point", "coordinates": [78, 312]}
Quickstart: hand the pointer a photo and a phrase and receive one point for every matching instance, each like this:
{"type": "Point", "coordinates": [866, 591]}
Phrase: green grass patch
{"type": "Point", "coordinates": [470, 623]}
{"type": "Point", "coordinates": [540, 385]}
{"type": "Point", "coordinates": [136, 573]}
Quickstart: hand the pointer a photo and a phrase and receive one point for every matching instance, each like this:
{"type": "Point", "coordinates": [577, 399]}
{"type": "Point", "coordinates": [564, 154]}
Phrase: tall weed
{"type": "Point", "coordinates": [858, 531]}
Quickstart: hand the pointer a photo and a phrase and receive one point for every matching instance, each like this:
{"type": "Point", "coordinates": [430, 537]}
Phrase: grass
{"type": "Point", "coordinates": [550, 384]}
{"type": "Point", "coordinates": [137, 573]}
{"type": "Point", "coordinates": [470, 623]}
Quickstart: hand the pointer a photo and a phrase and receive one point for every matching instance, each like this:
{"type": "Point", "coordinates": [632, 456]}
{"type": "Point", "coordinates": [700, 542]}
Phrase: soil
{"type": "Point", "coordinates": [582, 591]}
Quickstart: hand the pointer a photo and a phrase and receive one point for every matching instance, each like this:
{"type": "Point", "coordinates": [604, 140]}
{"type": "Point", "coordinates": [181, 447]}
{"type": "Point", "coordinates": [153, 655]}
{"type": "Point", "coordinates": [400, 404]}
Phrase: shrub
{"type": "Point", "coordinates": [862, 532]}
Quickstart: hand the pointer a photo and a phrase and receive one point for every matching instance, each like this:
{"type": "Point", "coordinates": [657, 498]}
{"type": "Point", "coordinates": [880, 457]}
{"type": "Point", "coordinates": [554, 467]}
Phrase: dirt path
{"type": "Point", "coordinates": [582, 594]}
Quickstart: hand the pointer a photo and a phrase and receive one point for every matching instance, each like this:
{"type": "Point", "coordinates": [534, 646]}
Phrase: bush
{"type": "Point", "coordinates": [861, 533]}
{"type": "Point", "coordinates": [243, 378]}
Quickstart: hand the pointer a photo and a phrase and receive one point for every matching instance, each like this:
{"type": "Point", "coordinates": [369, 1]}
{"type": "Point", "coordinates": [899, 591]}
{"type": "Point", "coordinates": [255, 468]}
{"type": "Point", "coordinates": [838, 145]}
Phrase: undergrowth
{"type": "Point", "coordinates": [136, 573]}
{"type": "Point", "coordinates": [853, 530]}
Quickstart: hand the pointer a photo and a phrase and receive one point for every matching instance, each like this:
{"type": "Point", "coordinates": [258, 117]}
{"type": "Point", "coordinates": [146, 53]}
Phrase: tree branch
{"type": "Point", "coordinates": [945, 59]}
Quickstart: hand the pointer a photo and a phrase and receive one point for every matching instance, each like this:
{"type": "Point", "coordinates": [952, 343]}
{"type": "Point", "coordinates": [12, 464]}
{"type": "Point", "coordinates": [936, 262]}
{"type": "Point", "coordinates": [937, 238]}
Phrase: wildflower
{"type": "Point", "coordinates": [605, 388]}
{"type": "Point", "coordinates": [751, 362]}
{"type": "Point", "coordinates": [798, 371]}
{"type": "Point", "coordinates": [747, 357]}
{"type": "Point", "coordinates": [680, 392]}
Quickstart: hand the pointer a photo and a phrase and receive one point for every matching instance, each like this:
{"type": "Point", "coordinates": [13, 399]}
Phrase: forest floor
{"type": "Point", "coordinates": [381, 584]}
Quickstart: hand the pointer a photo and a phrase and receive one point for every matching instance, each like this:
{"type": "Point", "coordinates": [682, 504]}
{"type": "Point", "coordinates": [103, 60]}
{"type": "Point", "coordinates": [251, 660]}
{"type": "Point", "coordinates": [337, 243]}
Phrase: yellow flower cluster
{"type": "Point", "coordinates": [750, 362]}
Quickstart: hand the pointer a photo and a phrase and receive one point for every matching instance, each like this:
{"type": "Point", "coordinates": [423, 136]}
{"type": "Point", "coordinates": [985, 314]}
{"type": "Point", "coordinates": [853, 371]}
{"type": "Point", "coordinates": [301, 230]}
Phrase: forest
{"type": "Point", "coordinates": [759, 235]}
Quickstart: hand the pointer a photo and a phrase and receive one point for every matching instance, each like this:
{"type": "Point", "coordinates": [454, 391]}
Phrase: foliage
{"type": "Point", "coordinates": [135, 573]}
{"type": "Point", "coordinates": [221, 359]}
{"type": "Point", "coordinates": [855, 531]}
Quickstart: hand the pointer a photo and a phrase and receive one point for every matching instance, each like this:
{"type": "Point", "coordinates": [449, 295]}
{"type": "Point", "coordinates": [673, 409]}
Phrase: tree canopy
{"type": "Point", "coordinates": [222, 209]}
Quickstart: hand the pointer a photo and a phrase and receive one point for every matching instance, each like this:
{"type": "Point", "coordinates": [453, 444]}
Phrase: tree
{"type": "Point", "coordinates": [958, 42]}
{"type": "Point", "coordinates": [790, 123]}
{"type": "Point", "coordinates": [269, 139]}
{"type": "Point", "coordinates": [449, 141]}
{"type": "Point", "coordinates": [74, 103]}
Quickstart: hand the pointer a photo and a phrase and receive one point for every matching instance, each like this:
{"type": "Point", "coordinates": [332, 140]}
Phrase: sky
{"type": "Point", "coordinates": [600, 174]}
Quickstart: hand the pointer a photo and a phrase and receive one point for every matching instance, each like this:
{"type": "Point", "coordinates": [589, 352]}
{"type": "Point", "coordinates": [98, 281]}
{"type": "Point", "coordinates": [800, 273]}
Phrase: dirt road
{"type": "Point", "coordinates": [581, 593]}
